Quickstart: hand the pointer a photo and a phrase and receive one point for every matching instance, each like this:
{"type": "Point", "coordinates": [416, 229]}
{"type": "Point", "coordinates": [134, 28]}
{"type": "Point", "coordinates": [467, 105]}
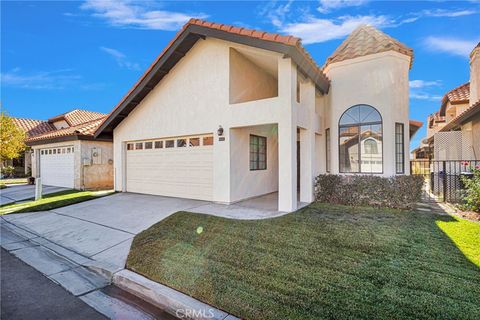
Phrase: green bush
{"type": "Point", "coordinates": [401, 192]}
{"type": "Point", "coordinates": [472, 191]}
{"type": "Point", "coordinates": [8, 171]}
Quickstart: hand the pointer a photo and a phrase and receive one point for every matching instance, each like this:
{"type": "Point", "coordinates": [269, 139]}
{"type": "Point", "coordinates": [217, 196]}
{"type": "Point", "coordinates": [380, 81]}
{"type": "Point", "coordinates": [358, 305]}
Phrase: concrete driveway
{"type": "Point", "coordinates": [21, 192]}
{"type": "Point", "coordinates": [102, 230]}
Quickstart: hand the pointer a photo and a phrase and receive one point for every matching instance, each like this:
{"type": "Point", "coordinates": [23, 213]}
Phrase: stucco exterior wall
{"type": "Point", "coordinates": [379, 80]}
{"type": "Point", "coordinates": [194, 99]}
{"type": "Point", "coordinates": [248, 183]}
{"type": "Point", "coordinates": [248, 81]}
{"type": "Point", "coordinates": [476, 136]}
{"type": "Point", "coordinates": [99, 173]}
{"type": "Point", "coordinates": [475, 76]}
{"type": "Point", "coordinates": [95, 176]}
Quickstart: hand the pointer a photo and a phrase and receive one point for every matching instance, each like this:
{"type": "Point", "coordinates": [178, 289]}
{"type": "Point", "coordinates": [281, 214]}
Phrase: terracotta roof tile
{"type": "Point", "coordinates": [77, 116]}
{"type": "Point", "coordinates": [33, 127]}
{"type": "Point", "coordinates": [84, 129]}
{"type": "Point", "coordinates": [465, 115]}
{"type": "Point", "coordinates": [366, 40]}
{"type": "Point", "coordinates": [459, 94]}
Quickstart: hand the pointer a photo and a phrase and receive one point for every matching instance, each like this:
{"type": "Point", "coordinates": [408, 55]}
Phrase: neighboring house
{"type": "Point", "coordinates": [23, 164]}
{"type": "Point", "coordinates": [226, 113]}
{"type": "Point", "coordinates": [68, 156]}
{"type": "Point", "coordinates": [453, 132]}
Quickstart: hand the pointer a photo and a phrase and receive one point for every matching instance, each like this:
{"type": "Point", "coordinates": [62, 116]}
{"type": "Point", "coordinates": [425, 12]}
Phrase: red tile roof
{"type": "Point", "coordinates": [77, 116]}
{"type": "Point", "coordinates": [460, 94]}
{"type": "Point", "coordinates": [365, 40]}
{"type": "Point", "coordinates": [462, 117]}
{"type": "Point", "coordinates": [33, 127]}
{"type": "Point", "coordinates": [262, 35]}
{"type": "Point", "coordinates": [84, 129]}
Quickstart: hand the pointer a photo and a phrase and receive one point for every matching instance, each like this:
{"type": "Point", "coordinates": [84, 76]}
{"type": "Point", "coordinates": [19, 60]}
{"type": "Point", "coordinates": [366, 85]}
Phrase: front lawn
{"type": "Point", "coordinates": [53, 200]}
{"type": "Point", "coordinates": [320, 262]}
{"type": "Point", "coordinates": [4, 182]}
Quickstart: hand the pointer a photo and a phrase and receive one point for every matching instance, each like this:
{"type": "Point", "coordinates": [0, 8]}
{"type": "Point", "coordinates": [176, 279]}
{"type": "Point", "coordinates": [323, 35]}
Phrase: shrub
{"type": "Point", "coordinates": [8, 171]}
{"type": "Point", "coordinates": [472, 191]}
{"type": "Point", "coordinates": [400, 192]}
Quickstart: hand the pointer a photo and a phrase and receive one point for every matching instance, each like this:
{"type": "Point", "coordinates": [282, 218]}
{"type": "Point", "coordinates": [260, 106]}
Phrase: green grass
{"type": "Point", "coordinates": [53, 200]}
{"type": "Point", "coordinates": [320, 262]}
{"type": "Point", "coordinates": [3, 182]}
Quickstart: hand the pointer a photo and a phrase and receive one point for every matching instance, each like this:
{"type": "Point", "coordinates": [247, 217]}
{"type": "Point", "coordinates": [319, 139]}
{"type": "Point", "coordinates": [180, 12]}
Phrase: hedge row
{"type": "Point", "coordinates": [401, 192]}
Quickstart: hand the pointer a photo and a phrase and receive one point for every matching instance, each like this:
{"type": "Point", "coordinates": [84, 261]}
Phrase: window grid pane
{"type": "Point", "coordinates": [399, 148]}
{"type": "Point", "coordinates": [258, 153]}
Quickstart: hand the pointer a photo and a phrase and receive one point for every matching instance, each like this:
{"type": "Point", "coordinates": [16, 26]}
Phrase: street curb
{"type": "Point", "coordinates": [172, 301]}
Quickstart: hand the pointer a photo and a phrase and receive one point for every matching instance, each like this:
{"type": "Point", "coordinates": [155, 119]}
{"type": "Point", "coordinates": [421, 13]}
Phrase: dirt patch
{"type": "Point", "coordinates": [469, 215]}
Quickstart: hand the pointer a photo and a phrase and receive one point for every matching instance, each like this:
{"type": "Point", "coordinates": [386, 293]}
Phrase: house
{"type": "Point", "coordinates": [225, 114]}
{"type": "Point", "coordinates": [68, 156]}
{"type": "Point", "coordinates": [23, 164]}
{"type": "Point", "coordinates": [453, 131]}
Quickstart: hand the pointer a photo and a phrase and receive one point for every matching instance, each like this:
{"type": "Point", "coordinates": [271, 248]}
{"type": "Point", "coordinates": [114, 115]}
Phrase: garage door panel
{"type": "Point", "coordinates": [57, 169]}
{"type": "Point", "coordinates": [177, 172]}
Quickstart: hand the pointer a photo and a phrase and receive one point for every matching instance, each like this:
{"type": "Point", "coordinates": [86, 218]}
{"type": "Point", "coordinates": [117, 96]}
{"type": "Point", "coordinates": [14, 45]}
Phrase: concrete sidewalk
{"type": "Point", "coordinates": [22, 192]}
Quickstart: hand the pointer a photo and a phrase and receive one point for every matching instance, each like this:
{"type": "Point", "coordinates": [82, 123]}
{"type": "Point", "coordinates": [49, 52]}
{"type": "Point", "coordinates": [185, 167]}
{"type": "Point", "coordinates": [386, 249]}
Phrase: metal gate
{"type": "Point", "coordinates": [444, 178]}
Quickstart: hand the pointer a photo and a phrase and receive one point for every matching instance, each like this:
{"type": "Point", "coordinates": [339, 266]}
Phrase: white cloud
{"type": "Point", "coordinates": [418, 84]}
{"type": "Point", "coordinates": [125, 13]}
{"type": "Point", "coordinates": [425, 96]}
{"type": "Point", "coordinates": [438, 13]}
{"type": "Point", "coordinates": [454, 46]}
{"type": "Point", "coordinates": [120, 58]}
{"type": "Point", "coordinates": [329, 5]}
{"type": "Point", "coordinates": [276, 14]}
{"type": "Point", "coordinates": [448, 13]}
{"type": "Point", "coordinates": [315, 30]}
{"type": "Point", "coordinates": [58, 79]}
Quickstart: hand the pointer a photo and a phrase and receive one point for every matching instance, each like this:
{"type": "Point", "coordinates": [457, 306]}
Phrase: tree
{"type": "Point", "coordinates": [12, 138]}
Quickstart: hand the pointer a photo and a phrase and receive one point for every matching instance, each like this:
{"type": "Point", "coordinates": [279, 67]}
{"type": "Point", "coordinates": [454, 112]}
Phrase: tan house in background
{"type": "Point", "coordinates": [453, 132]}
{"type": "Point", "coordinates": [32, 127]}
{"type": "Point", "coordinates": [68, 156]}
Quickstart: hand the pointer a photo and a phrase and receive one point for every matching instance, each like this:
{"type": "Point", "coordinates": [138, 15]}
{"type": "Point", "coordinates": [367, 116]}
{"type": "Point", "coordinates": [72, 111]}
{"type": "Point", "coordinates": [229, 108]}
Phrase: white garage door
{"type": "Point", "coordinates": [56, 166]}
{"type": "Point", "coordinates": [175, 167]}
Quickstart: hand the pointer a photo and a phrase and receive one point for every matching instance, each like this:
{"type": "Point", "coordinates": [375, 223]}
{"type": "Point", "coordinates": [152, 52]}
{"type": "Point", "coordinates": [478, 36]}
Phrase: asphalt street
{"type": "Point", "coordinates": [27, 294]}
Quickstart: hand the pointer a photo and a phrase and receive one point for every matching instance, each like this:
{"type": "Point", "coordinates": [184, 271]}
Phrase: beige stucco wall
{"type": "Point", "coordinates": [99, 174]}
{"type": "Point", "coordinates": [248, 81]}
{"type": "Point", "coordinates": [194, 99]}
{"type": "Point", "coordinates": [379, 80]}
{"type": "Point", "coordinates": [95, 176]}
{"type": "Point", "coordinates": [61, 124]}
{"type": "Point", "coordinates": [475, 76]}
{"type": "Point", "coordinates": [253, 183]}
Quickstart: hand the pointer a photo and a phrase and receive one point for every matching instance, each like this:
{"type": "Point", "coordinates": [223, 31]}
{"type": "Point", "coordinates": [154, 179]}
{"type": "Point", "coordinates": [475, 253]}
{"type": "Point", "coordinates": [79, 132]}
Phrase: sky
{"type": "Point", "coordinates": [63, 55]}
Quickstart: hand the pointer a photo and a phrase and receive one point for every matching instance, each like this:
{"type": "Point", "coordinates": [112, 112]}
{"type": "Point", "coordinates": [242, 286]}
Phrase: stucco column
{"type": "Point", "coordinates": [307, 143]}
{"type": "Point", "coordinates": [307, 158]}
{"type": "Point", "coordinates": [287, 137]}
{"type": "Point", "coordinates": [221, 166]}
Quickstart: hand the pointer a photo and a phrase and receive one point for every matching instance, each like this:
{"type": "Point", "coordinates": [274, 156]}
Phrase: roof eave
{"type": "Point", "coordinates": [188, 37]}
{"type": "Point", "coordinates": [72, 137]}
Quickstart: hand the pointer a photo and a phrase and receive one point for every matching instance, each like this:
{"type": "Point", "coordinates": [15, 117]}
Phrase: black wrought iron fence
{"type": "Point", "coordinates": [444, 177]}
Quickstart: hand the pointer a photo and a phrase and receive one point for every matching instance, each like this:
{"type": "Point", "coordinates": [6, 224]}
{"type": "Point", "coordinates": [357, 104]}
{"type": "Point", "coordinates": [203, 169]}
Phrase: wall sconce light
{"type": "Point", "coordinates": [220, 131]}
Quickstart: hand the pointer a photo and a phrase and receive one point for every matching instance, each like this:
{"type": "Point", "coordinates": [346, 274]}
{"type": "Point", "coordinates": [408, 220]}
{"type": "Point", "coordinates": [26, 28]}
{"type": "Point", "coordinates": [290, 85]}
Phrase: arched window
{"type": "Point", "coordinates": [370, 146]}
{"type": "Point", "coordinates": [360, 140]}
